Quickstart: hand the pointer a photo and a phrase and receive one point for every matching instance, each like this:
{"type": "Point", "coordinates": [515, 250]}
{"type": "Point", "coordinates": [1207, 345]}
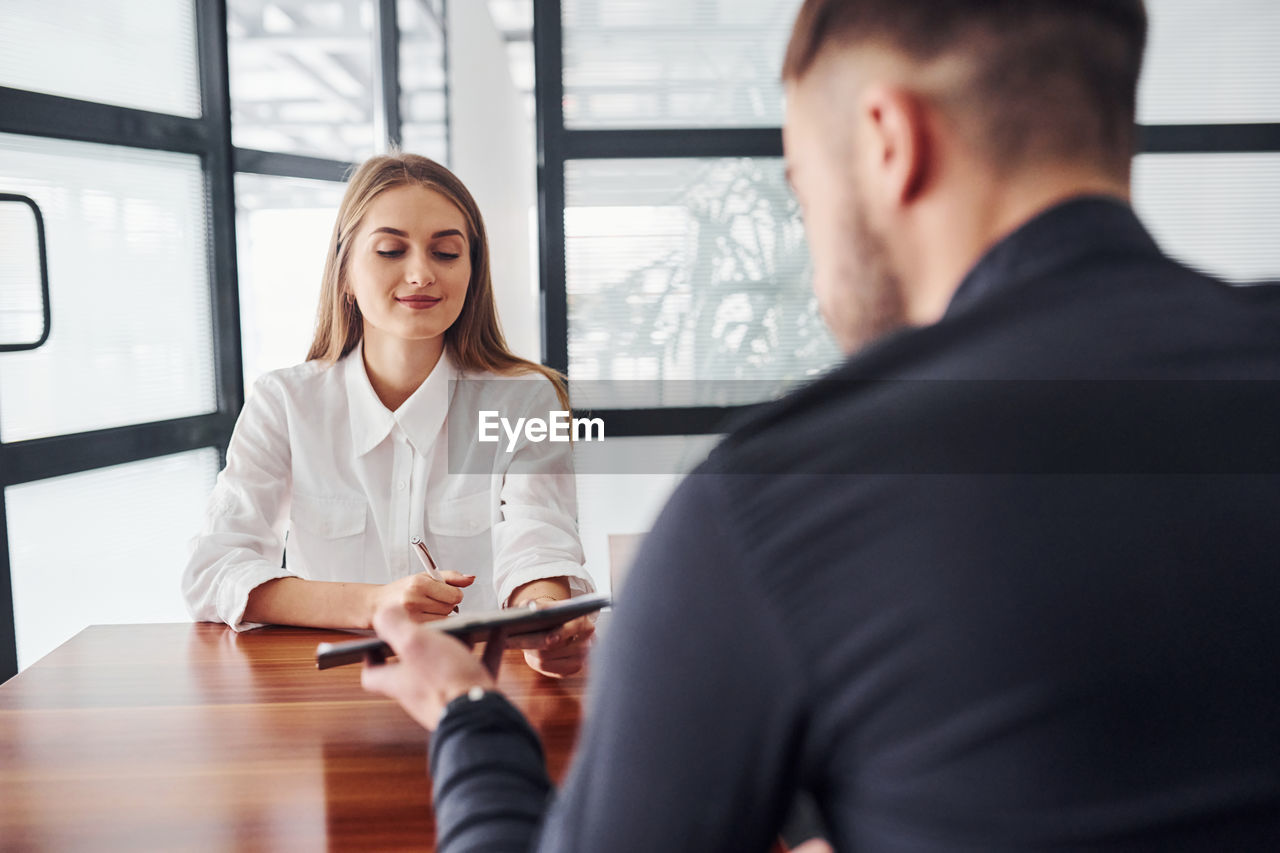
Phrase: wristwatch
{"type": "Point", "coordinates": [475, 695]}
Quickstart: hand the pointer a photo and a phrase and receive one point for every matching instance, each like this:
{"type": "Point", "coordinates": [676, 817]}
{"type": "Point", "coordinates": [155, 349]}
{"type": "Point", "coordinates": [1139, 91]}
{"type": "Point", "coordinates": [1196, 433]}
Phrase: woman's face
{"type": "Point", "coordinates": [410, 264]}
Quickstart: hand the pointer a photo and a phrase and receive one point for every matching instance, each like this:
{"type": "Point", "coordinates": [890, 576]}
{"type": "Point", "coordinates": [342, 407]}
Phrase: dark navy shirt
{"type": "Point", "coordinates": [1007, 582]}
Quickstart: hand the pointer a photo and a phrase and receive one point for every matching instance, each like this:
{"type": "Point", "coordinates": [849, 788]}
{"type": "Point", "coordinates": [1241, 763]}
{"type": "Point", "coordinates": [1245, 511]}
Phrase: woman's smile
{"type": "Point", "coordinates": [418, 301]}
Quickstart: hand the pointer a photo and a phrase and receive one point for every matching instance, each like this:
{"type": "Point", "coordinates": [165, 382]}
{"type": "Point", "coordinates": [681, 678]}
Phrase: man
{"type": "Point", "coordinates": [964, 608]}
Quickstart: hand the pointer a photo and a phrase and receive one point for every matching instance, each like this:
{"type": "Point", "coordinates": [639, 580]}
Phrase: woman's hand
{"type": "Point", "coordinates": [420, 597]}
{"type": "Point", "coordinates": [560, 652]}
{"type": "Point", "coordinates": [433, 668]}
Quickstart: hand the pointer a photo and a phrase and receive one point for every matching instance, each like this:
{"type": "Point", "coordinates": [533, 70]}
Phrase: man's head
{"type": "Point", "coordinates": [915, 128]}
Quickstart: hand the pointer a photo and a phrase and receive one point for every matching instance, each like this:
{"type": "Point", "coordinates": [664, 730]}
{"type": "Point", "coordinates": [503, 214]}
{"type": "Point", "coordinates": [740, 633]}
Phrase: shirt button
{"type": "Point", "coordinates": [402, 485]}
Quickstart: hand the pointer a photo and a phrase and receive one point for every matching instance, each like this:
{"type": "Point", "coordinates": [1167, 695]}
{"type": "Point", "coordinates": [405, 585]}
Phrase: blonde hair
{"type": "Point", "coordinates": [475, 340]}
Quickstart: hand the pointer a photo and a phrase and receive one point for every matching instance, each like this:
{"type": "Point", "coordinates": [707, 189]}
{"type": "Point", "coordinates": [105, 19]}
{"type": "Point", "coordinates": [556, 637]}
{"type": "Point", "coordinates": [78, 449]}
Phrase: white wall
{"type": "Point", "coordinates": [492, 150]}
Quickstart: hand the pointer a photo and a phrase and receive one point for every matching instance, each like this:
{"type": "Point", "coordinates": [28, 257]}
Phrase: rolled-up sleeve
{"type": "Point", "coordinates": [537, 536]}
{"type": "Point", "coordinates": [242, 542]}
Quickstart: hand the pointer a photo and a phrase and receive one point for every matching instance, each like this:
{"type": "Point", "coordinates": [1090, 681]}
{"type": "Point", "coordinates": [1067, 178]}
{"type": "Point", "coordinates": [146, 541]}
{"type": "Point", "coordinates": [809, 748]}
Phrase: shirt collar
{"type": "Point", "coordinates": [1076, 229]}
{"type": "Point", "coordinates": [420, 417]}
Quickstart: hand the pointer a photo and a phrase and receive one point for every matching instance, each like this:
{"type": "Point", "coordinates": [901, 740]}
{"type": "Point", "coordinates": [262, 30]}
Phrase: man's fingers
{"type": "Point", "coordinates": [379, 678]}
{"type": "Point", "coordinates": [815, 845]}
{"type": "Point", "coordinates": [394, 624]}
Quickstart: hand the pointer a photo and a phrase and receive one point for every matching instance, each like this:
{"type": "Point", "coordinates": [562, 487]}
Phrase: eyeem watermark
{"type": "Point", "coordinates": [561, 427]}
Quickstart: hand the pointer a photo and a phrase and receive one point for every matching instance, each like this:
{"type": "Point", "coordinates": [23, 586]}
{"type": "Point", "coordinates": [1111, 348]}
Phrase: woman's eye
{"type": "Point", "coordinates": [446, 256]}
{"type": "Point", "coordinates": [391, 253]}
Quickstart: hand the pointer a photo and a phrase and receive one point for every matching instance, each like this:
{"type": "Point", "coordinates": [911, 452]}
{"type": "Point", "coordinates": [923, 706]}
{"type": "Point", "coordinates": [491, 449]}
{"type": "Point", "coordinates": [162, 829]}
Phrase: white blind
{"type": "Point", "coordinates": [1219, 213]}
{"type": "Point", "coordinates": [674, 63]}
{"type": "Point", "coordinates": [120, 52]}
{"type": "Point", "coordinates": [688, 269]}
{"type": "Point", "coordinates": [128, 246]}
{"type": "Point", "coordinates": [302, 77]}
{"type": "Point", "coordinates": [1211, 63]}
{"type": "Point", "coordinates": [424, 109]}
{"type": "Point", "coordinates": [282, 239]}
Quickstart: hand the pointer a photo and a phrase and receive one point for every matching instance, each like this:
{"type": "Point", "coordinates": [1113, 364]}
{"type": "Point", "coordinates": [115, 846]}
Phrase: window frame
{"type": "Point", "coordinates": [208, 136]}
{"type": "Point", "coordinates": [558, 144]}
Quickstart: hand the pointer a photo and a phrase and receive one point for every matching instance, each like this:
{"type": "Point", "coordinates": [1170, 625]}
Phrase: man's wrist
{"type": "Point", "coordinates": [476, 694]}
{"type": "Point", "coordinates": [478, 680]}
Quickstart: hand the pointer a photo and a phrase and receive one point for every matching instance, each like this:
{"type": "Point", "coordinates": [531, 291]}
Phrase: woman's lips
{"type": "Point", "coordinates": [418, 302]}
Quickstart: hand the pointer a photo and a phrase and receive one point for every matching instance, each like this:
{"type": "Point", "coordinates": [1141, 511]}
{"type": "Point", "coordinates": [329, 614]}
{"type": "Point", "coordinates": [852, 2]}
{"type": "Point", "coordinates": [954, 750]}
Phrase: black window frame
{"type": "Point", "coordinates": [558, 144]}
{"type": "Point", "coordinates": [208, 136]}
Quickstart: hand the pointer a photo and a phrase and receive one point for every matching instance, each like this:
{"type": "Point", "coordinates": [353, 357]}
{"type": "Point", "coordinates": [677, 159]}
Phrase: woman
{"type": "Point", "coordinates": [339, 464]}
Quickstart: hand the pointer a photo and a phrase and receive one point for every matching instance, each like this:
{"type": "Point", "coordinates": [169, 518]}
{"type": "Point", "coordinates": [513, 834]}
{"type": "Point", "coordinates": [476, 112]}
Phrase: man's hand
{"type": "Point", "coordinates": [419, 596]}
{"type": "Point", "coordinates": [434, 668]}
{"type": "Point", "coordinates": [816, 845]}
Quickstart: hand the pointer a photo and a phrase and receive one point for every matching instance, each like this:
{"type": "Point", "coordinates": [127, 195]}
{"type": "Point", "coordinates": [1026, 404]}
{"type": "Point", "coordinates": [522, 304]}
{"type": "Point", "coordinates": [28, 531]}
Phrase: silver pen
{"type": "Point", "coordinates": [424, 557]}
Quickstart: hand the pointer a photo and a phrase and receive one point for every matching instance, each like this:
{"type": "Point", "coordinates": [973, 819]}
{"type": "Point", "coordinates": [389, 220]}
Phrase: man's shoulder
{"type": "Point", "coordinates": [821, 425]}
{"type": "Point", "coordinates": [931, 396]}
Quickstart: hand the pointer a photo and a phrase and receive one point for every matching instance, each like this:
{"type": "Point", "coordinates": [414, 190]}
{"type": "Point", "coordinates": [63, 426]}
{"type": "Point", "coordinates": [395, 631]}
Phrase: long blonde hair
{"type": "Point", "coordinates": [475, 340]}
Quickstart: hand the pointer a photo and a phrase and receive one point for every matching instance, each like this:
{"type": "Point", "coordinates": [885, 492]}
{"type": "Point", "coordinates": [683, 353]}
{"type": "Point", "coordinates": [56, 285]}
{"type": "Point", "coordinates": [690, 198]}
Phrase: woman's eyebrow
{"type": "Point", "coordinates": [386, 229]}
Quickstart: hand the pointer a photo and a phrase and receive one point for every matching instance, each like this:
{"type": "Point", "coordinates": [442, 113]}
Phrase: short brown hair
{"type": "Point", "coordinates": [475, 339]}
{"type": "Point", "coordinates": [1052, 77]}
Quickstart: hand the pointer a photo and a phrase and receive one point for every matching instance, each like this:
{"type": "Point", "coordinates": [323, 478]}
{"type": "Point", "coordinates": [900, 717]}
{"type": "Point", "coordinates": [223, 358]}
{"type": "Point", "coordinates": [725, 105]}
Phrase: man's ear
{"type": "Point", "coordinates": [897, 142]}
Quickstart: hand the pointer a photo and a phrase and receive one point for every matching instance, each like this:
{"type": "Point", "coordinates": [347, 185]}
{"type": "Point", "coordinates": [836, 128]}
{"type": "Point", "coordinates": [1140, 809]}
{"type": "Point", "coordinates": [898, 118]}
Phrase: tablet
{"type": "Point", "coordinates": [513, 622]}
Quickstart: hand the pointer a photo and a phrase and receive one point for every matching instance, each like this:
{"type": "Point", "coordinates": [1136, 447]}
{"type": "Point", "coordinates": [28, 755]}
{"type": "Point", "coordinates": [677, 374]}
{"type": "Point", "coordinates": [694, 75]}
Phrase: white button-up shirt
{"type": "Point", "coordinates": [318, 458]}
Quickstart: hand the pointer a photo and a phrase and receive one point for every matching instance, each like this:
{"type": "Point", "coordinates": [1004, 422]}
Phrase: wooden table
{"type": "Point", "coordinates": [190, 736]}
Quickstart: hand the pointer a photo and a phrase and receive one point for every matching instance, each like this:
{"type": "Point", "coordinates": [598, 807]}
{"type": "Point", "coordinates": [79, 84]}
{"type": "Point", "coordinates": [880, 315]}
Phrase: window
{"type": "Point", "coordinates": [282, 233]}
{"type": "Point", "coordinates": [317, 87]}
{"type": "Point", "coordinates": [673, 265]}
{"type": "Point", "coordinates": [115, 423]}
{"type": "Point", "coordinates": [302, 77]}
{"type": "Point", "coordinates": [674, 268]}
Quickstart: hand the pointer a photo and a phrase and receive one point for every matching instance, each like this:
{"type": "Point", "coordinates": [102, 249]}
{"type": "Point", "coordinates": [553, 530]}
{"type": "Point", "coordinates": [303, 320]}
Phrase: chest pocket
{"type": "Point", "coordinates": [466, 516]}
{"type": "Point", "coordinates": [328, 518]}
{"type": "Point", "coordinates": [326, 538]}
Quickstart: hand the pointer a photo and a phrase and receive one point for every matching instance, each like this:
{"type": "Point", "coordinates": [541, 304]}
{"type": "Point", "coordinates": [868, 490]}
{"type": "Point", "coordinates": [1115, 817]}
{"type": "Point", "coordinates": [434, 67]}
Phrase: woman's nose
{"type": "Point", "coordinates": [418, 272]}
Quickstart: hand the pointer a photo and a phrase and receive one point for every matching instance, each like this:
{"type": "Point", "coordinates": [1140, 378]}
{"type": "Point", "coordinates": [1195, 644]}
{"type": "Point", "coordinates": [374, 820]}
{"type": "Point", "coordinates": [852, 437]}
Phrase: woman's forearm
{"type": "Point", "coordinates": [555, 588]}
{"type": "Point", "coordinates": [329, 604]}
{"type": "Point", "coordinates": [311, 604]}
